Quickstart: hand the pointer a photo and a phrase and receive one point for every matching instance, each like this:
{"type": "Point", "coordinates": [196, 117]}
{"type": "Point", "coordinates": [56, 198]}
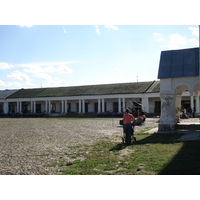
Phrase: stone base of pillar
{"type": "Point", "coordinates": [162, 128]}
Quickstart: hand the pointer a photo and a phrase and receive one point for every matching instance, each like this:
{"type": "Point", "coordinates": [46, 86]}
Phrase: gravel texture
{"type": "Point", "coordinates": [35, 146]}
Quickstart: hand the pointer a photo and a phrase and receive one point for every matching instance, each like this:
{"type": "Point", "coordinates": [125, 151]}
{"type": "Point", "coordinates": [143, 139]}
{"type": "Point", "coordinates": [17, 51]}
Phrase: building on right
{"type": "Point", "coordinates": [178, 74]}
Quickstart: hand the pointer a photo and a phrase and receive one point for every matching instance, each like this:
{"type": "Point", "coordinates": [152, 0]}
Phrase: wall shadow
{"type": "Point", "coordinates": [185, 162]}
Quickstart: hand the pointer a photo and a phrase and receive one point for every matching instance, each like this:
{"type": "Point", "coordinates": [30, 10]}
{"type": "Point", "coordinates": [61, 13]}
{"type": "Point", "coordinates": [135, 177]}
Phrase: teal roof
{"type": "Point", "coordinates": [90, 90]}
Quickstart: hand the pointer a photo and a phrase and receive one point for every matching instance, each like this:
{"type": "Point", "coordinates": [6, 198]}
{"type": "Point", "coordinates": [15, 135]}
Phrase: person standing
{"type": "Point", "coordinates": [128, 121]}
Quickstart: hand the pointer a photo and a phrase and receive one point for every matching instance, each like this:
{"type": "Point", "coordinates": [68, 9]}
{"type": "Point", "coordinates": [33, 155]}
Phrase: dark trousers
{"type": "Point", "coordinates": [128, 130]}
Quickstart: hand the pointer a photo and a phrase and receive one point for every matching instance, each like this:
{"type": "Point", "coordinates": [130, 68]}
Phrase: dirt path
{"type": "Point", "coordinates": [35, 145]}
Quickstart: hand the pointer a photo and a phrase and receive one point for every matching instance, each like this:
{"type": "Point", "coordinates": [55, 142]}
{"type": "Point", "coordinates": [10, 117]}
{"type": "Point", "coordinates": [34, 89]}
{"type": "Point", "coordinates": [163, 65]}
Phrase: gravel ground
{"type": "Point", "coordinates": [34, 145]}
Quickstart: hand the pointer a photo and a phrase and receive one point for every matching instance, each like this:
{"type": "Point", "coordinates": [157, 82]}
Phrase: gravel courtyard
{"type": "Point", "coordinates": [34, 145]}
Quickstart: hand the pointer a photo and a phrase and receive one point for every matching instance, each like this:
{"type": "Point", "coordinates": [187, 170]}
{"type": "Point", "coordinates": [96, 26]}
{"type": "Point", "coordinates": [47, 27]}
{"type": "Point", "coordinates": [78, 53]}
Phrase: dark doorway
{"type": "Point", "coordinates": [38, 108]}
{"type": "Point", "coordinates": [157, 107]}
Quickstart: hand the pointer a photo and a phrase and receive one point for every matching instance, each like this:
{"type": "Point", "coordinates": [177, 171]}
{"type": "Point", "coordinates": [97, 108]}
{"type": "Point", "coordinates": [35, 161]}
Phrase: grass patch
{"type": "Point", "coordinates": [151, 154]}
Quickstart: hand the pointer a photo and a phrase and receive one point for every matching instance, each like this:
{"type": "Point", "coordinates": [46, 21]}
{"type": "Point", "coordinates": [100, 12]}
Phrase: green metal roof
{"type": "Point", "coordinates": [88, 90]}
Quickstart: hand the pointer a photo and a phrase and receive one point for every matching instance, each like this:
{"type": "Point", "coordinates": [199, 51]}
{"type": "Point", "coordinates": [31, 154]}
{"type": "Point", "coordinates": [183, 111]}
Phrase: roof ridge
{"type": "Point", "coordinates": [149, 86]}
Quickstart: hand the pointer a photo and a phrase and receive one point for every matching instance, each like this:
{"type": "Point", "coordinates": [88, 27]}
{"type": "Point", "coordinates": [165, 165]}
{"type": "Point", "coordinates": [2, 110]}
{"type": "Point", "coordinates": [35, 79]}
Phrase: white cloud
{"type": "Point", "coordinates": [55, 83]}
{"type": "Point", "coordinates": [43, 76]}
{"type": "Point", "coordinates": [4, 65]}
{"type": "Point", "coordinates": [113, 27]}
{"type": "Point", "coordinates": [2, 83]}
{"type": "Point", "coordinates": [97, 30]}
{"type": "Point", "coordinates": [64, 30]}
{"type": "Point", "coordinates": [28, 26]}
{"type": "Point", "coordinates": [195, 31]}
{"type": "Point", "coordinates": [158, 37]}
{"type": "Point", "coordinates": [36, 74]}
{"type": "Point", "coordinates": [35, 68]}
{"type": "Point", "coordinates": [194, 42]}
{"type": "Point", "coordinates": [177, 41]}
{"type": "Point", "coordinates": [17, 75]}
{"type": "Point", "coordinates": [14, 84]}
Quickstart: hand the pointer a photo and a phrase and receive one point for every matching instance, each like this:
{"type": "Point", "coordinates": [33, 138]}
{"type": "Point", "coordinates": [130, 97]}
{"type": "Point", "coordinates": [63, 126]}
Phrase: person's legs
{"type": "Point", "coordinates": [128, 134]}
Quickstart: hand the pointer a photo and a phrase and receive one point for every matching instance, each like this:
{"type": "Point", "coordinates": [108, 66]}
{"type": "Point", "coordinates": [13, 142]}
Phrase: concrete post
{"type": "Point", "coordinates": [5, 107]}
{"type": "Point", "coordinates": [49, 106]}
{"type": "Point", "coordinates": [119, 105]}
{"type": "Point", "coordinates": [145, 104]}
{"type": "Point", "coordinates": [99, 105]}
{"type": "Point", "coordinates": [79, 107]}
{"type": "Point", "coordinates": [103, 105]}
{"type": "Point", "coordinates": [168, 113]}
{"type": "Point", "coordinates": [66, 106]}
{"type": "Point", "coordinates": [62, 102]}
{"type": "Point", "coordinates": [83, 105]}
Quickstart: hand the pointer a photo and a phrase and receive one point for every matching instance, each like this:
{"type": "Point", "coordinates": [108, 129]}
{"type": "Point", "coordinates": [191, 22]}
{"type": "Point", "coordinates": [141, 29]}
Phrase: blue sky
{"type": "Point", "coordinates": [34, 56]}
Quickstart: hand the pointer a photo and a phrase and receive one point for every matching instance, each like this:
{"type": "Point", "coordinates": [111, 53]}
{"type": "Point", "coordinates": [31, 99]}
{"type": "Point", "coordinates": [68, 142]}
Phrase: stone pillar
{"type": "Point", "coordinates": [79, 107]}
{"type": "Point", "coordinates": [168, 113]}
{"type": "Point", "coordinates": [99, 105]}
{"type": "Point", "coordinates": [83, 105]}
{"type": "Point", "coordinates": [46, 106]}
{"type": "Point", "coordinates": [192, 102]}
{"type": "Point", "coordinates": [31, 107]}
{"type": "Point", "coordinates": [62, 106]}
{"type": "Point", "coordinates": [49, 106]}
{"type": "Point", "coordinates": [197, 103]}
{"type": "Point", "coordinates": [5, 107]}
{"type": "Point", "coordinates": [178, 107]}
{"type": "Point", "coordinates": [145, 104]}
{"type": "Point", "coordinates": [123, 104]}
{"type": "Point", "coordinates": [17, 107]}
{"type": "Point", "coordinates": [34, 106]}
{"type": "Point", "coordinates": [119, 105]}
{"type": "Point", "coordinates": [103, 105]}
{"type": "Point", "coordinates": [20, 107]}
{"type": "Point", "coordinates": [66, 106]}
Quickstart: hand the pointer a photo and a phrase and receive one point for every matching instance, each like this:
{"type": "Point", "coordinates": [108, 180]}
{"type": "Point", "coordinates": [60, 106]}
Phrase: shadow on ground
{"type": "Point", "coordinates": [185, 162]}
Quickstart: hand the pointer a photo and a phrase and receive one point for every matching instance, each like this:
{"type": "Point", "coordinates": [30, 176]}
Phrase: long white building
{"type": "Point", "coordinates": [101, 99]}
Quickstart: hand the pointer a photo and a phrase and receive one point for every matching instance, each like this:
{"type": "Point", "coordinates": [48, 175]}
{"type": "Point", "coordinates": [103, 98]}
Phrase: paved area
{"type": "Point", "coordinates": [189, 135]}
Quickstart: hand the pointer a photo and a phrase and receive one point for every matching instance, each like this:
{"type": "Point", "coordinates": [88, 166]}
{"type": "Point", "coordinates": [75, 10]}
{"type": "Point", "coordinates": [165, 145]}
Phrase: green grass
{"type": "Point", "coordinates": [151, 154]}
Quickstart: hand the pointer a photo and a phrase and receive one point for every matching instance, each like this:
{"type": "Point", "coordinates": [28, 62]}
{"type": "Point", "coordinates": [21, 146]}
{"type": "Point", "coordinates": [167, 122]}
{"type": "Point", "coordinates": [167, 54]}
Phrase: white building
{"type": "Point", "coordinates": [179, 76]}
{"type": "Point", "coordinates": [105, 98]}
{"type": "Point", "coordinates": [102, 99]}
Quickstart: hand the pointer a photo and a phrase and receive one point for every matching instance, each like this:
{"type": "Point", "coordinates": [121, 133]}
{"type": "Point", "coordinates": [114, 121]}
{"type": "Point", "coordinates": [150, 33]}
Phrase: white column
{"type": "Point", "coordinates": [46, 106]}
{"type": "Point", "coordinates": [168, 112]}
{"type": "Point", "coordinates": [197, 103]}
{"type": "Point", "coordinates": [49, 106]}
{"type": "Point", "coordinates": [145, 104]}
{"type": "Point", "coordinates": [124, 104]}
{"type": "Point", "coordinates": [34, 107]}
{"type": "Point", "coordinates": [99, 105]}
{"type": "Point", "coordinates": [83, 105]}
{"type": "Point", "coordinates": [17, 107]}
{"type": "Point", "coordinates": [119, 105]}
{"type": "Point", "coordinates": [5, 107]}
{"type": "Point", "coordinates": [62, 102]}
{"type": "Point", "coordinates": [103, 105]}
{"type": "Point", "coordinates": [66, 106]}
{"type": "Point", "coordinates": [79, 107]}
{"type": "Point", "coordinates": [20, 106]}
{"type": "Point", "coordinates": [192, 102]}
{"type": "Point", "coordinates": [31, 107]}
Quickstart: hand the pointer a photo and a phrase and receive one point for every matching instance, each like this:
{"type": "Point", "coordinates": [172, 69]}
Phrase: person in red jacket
{"type": "Point", "coordinates": [128, 120]}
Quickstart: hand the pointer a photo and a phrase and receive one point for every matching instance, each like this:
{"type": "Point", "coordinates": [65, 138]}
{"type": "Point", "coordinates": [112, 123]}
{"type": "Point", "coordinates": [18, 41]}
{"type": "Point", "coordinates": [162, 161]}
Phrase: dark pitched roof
{"type": "Point", "coordinates": [6, 93]}
{"type": "Point", "coordinates": [87, 90]}
{"type": "Point", "coordinates": [154, 88]}
{"type": "Point", "coordinates": [179, 63]}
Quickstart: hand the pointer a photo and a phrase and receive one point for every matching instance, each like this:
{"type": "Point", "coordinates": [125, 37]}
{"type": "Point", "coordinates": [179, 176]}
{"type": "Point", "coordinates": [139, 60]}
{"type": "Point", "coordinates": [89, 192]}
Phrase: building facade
{"type": "Point", "coordinates": [101, 99]}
